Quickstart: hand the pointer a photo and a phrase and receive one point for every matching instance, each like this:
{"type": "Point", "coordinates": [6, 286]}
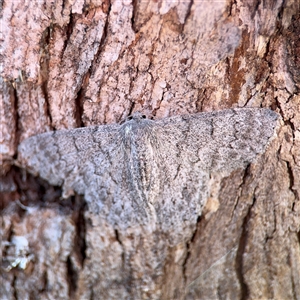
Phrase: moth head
{"type": "Point", "coordinates": [136, 117]}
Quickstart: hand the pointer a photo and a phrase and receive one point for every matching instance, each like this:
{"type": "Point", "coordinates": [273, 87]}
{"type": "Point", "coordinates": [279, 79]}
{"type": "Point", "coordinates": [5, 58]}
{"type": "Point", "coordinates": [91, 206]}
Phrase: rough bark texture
{"type": "Point", "coordinates": [76, 64]}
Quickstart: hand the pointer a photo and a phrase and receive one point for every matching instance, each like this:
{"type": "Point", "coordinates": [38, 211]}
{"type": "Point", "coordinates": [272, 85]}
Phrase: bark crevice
{"type": "Point", "coordinates": [240, 252]}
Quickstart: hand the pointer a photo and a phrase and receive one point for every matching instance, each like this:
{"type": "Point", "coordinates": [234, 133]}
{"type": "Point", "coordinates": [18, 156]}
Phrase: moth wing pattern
{"type": "Point", "coordinates": [165, 162]}
{"type": "Point", "coordinates": [89, 161]}
{"type": "Point", "coordinates": [199, 144]}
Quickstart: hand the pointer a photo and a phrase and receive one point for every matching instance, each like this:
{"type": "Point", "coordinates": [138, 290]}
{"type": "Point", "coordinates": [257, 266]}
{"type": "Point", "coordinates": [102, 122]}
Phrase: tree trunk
{"type": "Point", "coordinates": [68, 65]}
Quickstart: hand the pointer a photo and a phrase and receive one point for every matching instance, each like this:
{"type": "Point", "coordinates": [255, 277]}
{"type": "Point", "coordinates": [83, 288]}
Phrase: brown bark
{"type": "Point", "coordinates": [68, 65]}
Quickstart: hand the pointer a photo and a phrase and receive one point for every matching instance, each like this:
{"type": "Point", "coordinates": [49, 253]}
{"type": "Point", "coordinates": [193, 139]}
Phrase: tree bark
{"type": "Point", "coordinates": [73, 64]}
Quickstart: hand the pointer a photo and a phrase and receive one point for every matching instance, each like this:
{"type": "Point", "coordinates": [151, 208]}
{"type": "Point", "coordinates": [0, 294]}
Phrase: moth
{"type": "Point", "coordinates": [146, 170]}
